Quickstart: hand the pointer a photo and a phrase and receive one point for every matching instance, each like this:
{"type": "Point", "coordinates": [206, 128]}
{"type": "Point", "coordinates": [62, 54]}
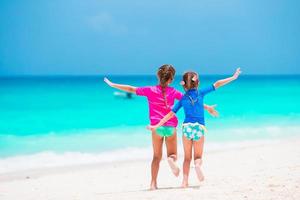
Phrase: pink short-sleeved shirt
{"type": "Point", "coordinates": [157, 106]}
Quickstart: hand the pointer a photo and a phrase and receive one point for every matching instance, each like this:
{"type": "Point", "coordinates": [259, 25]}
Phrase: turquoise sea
{"type": "Point", "coordinates": [68, 116]}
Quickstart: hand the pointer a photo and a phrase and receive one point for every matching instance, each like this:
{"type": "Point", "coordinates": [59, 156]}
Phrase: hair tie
{"type": "Point", "coordinates": [182, 83]}
{"type": "Point", "coordinates": [195, 78]}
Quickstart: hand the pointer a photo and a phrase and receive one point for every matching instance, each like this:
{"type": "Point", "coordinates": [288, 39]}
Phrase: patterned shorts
{"type": "Point", "coordinates": [193, 131]}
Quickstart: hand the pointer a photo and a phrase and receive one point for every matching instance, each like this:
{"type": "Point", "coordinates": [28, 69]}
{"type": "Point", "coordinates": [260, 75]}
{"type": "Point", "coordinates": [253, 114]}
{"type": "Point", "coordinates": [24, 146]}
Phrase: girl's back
{"type": "Point", "coordinates": [192, 103]}
{"type": "Point", "coordinates": [160, 102]}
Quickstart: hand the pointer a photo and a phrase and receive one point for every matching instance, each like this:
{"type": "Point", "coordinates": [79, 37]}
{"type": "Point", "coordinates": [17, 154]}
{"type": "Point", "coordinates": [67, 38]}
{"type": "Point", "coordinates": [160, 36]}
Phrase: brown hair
{"type": "Point", "coordinates": [165, 73]}
{"type": "Point", "coordinates": [190, 80]}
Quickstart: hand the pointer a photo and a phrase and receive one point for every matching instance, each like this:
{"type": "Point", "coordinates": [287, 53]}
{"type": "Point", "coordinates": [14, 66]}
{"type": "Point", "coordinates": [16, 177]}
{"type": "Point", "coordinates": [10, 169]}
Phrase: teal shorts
{"type": "Point", "coordinates": [193, 131]}
{"type": "Point", "coordinates": [165, 131]}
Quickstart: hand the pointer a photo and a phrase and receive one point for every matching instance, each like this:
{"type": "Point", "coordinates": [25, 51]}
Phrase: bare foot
{"type": "Point", "coordinates": [198, 170]}
{"type": "Point", "coordinates": [153, 186]}
{"type": "Point", "coordinates": [185, 181]}
{"type": "Point", "coordinates": [175, 169]}
{"type": "Point", "coordinates": [184, 184]}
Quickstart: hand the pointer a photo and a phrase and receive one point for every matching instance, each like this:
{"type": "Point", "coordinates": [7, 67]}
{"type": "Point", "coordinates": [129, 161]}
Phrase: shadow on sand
{"type": "Point", "coordinates": [148, 190]}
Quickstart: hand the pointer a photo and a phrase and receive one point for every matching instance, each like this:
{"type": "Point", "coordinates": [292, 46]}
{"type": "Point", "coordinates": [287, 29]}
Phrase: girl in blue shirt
{"type": "Point", "coordinates": [193, 127]}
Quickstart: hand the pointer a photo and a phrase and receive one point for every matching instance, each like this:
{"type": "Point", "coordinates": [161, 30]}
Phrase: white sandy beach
{"type": "Point", "coordinates": [265, 171]}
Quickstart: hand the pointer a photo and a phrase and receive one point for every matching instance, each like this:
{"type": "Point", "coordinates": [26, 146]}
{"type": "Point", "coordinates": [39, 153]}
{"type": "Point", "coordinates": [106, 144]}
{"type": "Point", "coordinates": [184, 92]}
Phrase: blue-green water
{"type": "Point", "coordinates": [81, 114]}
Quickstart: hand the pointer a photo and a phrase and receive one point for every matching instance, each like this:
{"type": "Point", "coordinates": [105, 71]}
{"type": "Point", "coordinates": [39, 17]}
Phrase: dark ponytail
{"type": "Point", "coordinates": [190, 80]}
{"type": "Point", "coordinates": [165, 73]}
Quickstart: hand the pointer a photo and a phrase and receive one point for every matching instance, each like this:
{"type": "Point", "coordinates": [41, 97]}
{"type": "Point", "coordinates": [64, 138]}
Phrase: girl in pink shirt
{"type": "Point", "coordinates": [161, 101]}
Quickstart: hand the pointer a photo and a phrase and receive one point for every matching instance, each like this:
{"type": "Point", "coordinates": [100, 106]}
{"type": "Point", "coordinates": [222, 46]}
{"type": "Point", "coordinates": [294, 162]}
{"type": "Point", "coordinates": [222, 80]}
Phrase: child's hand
{"type": "Point", "coordinates": [237, 73]}
{"type": "Point", "coordinates": [212, 111]}
{"type": "Point", "coordinates": [151, 127]}
{"type": "Point", "coordinates": [107, 81]}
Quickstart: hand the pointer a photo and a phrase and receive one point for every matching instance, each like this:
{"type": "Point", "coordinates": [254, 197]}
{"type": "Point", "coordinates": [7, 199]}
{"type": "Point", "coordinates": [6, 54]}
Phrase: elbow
{"type": "Point", "coordinates": [216, 85]}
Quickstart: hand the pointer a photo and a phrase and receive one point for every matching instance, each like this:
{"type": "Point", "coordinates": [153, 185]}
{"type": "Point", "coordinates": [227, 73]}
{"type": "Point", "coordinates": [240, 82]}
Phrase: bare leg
{"type": "Point", "coordinates": [171, 143]}
{"type": "Point", "coordinates": [157, 142]}
{"type": "Point", "coordinates": [198, 151]}
{"type": "Point", "coordinates": [187, 146]}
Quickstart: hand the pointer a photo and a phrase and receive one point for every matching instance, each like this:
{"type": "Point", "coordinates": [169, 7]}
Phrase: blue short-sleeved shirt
{"type": "Point", "coordinates": [193, 113]}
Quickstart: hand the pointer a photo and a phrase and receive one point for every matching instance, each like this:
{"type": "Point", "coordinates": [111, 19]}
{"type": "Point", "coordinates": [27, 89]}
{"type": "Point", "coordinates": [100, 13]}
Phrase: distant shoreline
{"type": "Point", "coordinates": [138, 75]}
{"type": "Point", "coordinates": [44, 161]}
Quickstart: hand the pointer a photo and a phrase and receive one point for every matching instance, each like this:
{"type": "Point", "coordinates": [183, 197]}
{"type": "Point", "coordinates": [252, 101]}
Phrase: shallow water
{"type": "Point", "coordinates": [81, 114]}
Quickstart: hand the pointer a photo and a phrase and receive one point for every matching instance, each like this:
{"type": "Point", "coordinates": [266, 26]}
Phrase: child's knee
{"type": "Point", "coordinates": [156, 158]}
{"type": "Point", "coordinates": [187, 159]}
{"type": "Point", "coordinates": [173, 156]}
{"type": "Point", "coordinates": [196, 157]}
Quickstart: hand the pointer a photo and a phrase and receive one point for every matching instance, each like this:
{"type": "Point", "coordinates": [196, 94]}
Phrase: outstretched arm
{"type": "Point", "coordinates": [211, 110]}
{"type": "Point", "coordinates": [162, 121]}
{"type": "Point", "coordinates": [225, 81]}
{"type": "Point", "coordinates": [126, 88]}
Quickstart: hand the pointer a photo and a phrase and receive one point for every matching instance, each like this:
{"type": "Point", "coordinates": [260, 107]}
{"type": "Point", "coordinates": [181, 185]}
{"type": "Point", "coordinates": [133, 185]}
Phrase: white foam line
{"type": "Point", "coordinates": [51, 159]}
